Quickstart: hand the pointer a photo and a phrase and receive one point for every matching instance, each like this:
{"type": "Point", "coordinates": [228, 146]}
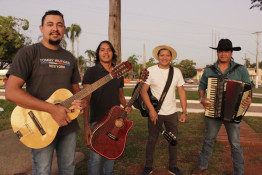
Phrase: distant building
{"type": "Point", "coordinates": [252, 74]}
{"type": "Point", "coordinates": [198, 76]}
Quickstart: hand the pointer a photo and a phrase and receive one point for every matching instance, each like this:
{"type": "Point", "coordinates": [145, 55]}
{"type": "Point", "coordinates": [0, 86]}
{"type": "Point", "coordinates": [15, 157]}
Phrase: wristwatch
{"type": "Point", "coordinates": [184, 113]}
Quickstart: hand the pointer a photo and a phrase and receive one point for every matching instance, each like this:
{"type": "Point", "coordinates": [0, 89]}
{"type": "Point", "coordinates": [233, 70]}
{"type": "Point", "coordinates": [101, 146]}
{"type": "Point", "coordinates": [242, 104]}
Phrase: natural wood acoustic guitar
{"type": "Point", "coordinates": [37, 129]}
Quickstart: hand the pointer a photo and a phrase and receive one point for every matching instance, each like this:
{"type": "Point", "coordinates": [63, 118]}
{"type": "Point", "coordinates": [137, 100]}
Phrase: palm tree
{"type": "Point", "coordinates": [82, 65]}
{"type": "Point", "coordinates": [133, 60]}
{"type": "Point", "coordinates": [256, 3]}
{"type": "Point", "coordinates": [91, 54]}
{"type": "Point", "coordinates": [74, 30]}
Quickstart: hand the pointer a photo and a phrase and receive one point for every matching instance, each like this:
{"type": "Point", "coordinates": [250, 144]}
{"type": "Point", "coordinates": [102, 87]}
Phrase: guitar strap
{"type": "Point", "coordinates": [168, 83]}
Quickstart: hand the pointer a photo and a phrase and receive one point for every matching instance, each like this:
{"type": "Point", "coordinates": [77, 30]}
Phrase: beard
{"type": "Point", "coordinates": [54, 42]}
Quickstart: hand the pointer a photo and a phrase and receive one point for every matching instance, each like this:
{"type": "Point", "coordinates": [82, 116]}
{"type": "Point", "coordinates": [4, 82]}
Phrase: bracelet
{"type": "Point", "coordinates": [200, 99]}
{"type": "Point", "coordinates": [184, 113]}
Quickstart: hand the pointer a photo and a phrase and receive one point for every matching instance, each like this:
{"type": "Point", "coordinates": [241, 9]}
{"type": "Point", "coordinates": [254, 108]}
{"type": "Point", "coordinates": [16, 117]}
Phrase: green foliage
{"type": "Point", "coordinates": [187, 68]}
{"type": "Point", "coordinates": [151, 62]}
{"type": "Point", "coordinates": [11, 38]}
{"type": "Point", "coordinates": [81, 63]}
{"type": "Point", "coordinates": [5, 115]}
{"type": "Point", "coordinates": [73, 33]}
{"type": "Point", "coordinates": [256, 3]}
{"type": "Point", "coordinates": [135, 67]}
{"type": "Point", "coordinates": [91, 54]}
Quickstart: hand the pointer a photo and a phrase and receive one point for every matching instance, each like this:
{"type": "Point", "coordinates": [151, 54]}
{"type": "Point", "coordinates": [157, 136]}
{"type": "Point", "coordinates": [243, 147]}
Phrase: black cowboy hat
{"type": "Point", "coordinates": [226, 44]}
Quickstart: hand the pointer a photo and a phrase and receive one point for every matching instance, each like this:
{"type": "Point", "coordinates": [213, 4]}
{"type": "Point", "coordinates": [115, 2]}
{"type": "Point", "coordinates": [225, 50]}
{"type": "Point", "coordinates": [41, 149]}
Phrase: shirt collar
{"type": "Point", "coordinates": [231, 65]}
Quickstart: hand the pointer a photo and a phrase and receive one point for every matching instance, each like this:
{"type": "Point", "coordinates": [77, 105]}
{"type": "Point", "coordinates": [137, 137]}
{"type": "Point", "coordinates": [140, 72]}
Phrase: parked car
{"type": "Point", "coordinates": [188, 80]}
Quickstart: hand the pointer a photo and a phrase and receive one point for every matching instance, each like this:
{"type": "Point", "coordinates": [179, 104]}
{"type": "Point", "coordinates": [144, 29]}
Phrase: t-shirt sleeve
{"type": "Point", "coordinates": [203, 82]}
{"type": "Point", "coordinates": [181, 81]}
{"type": "Point", "coordinates": [245, 74]}
{"type": "Point", "coordinates": [22, 64]}
{"type": "Point", "coordinates": [76, 75]}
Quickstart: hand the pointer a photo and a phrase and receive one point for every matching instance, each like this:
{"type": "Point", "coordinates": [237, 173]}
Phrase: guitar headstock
{"type": "Point", "coordinates": [170, 137]}
{"type": "Point", "coordinates": [144, 75]}
{"type": "Point", "coordinates": [121, 69]}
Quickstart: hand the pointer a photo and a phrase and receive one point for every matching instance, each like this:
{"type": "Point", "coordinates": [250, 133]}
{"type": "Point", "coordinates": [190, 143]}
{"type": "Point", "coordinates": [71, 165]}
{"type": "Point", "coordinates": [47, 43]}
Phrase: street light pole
{"type": "Point", "coordinates": [257, 58]}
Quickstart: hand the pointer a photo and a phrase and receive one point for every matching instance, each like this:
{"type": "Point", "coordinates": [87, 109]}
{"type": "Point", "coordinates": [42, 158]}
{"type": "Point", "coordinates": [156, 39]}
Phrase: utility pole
{"type": "Point", "coordinates": [144, 57]}
{"type": "Point", "coordinates": [114, 29]}
{"type": "Point", "coordinates": [257, 59]}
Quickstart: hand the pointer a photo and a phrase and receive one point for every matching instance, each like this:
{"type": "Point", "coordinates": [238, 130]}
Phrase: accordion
{"type": "Point", "coordinates": [225, 98]}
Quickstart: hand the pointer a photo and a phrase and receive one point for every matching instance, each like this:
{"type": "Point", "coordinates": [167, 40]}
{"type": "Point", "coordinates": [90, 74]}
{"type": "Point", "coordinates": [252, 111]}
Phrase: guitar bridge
{"type": "Point", "coordinates": [20, 135]}
{"type": "Point", "coordinates": [111, 136]}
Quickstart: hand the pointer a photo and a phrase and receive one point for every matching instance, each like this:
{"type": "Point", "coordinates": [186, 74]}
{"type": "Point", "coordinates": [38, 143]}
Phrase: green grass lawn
{"type": "Point", "coordinates": [190, 138]}
{"type": "Point", "coordinates": [192, 95]}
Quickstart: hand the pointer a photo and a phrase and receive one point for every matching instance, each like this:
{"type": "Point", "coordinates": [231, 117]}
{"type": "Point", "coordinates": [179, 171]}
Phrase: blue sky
{"type": "Point", "coordinates": [187, 26]}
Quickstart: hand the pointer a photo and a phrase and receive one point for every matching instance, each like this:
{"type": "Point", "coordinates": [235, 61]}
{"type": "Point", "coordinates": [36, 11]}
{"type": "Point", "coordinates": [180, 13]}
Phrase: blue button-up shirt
{"type": "Point", "coordinates": [240, 74]}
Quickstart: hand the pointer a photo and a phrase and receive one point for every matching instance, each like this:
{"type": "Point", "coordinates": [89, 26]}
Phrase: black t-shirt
{"type": "Point", "coordinates": [104, 97]}
{"type": "Point", "coordinates": [44, 71]}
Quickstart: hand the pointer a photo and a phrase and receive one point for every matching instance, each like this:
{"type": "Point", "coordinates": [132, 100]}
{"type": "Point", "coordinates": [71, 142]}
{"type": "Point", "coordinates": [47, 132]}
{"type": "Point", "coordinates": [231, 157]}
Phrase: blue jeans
{"type": "Point", "coordinates": [95, 162]}
{"type": "Point", "coordinates": [65, 151]}
{"type": "Point", "coordinates": [233, 131]}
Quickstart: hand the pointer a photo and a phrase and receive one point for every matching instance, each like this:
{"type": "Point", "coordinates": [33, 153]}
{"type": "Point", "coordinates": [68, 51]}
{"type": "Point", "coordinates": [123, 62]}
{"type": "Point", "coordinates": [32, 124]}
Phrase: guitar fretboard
{"type": "Point", "coordinates": [86, 91]}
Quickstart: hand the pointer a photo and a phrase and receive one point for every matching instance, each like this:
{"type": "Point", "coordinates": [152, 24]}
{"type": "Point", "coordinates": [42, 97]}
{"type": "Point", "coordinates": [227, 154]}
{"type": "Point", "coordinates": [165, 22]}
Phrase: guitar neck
{"type": "Point", "coordinates": [132, 100]}
{"type": "Point", "coordinates": [86, 91]}
{"type": "Point", "coordinates": [134, 96]}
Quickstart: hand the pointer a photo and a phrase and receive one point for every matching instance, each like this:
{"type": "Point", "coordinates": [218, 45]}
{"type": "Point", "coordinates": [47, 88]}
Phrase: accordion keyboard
{"type": "Point", "coordinates": [211, 94]}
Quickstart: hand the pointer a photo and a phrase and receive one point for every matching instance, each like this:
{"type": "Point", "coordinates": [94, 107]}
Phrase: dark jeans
{"type": "Point", "coordinates": [170, 122]}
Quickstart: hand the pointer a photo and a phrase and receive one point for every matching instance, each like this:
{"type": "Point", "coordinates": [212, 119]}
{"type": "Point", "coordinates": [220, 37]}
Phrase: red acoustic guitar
{"type": "Point", "coordinates": [109, 134]}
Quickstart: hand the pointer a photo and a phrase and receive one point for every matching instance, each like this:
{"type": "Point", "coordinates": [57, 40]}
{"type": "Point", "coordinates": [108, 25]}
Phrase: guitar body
{"type": "Point", "coordinates": [109, 135]}
{"type": "Point", "coordinates": [26, 129]}
{"type": "Point", "coordinates": [37, 129]}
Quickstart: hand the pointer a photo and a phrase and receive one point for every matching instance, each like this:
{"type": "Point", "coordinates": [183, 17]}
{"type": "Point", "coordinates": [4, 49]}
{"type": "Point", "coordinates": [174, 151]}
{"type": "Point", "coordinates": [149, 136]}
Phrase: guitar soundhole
{"type": "Point", "coordinates": [119, 123]}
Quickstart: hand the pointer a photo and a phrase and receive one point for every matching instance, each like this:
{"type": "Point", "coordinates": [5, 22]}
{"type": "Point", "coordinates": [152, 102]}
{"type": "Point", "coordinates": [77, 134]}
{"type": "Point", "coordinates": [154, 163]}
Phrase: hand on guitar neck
{"type": "Point", "coordinates": [60, 113]}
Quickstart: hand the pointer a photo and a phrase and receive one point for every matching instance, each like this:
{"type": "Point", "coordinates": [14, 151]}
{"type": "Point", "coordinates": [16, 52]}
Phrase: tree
{"type": "Point", "coordinates": [91, 54]}
{"type": "Point", "coordinates": [151, 62]}
{"type": "Point", "coordinates": [73, 33]}
{"type": "Point", "coordinates": [247, 63]}
{"type": "Point", "coordinates": [81, 62]}
{"type": "Point", "coordinates": [114, 29]}
{"type": "Point", "coordinates": [11, 38]}
{"type": "Point", "coordinates": [256, 3]}
{"type": "Point", "coordinates": [187, 68]}
{"type": "Point", "coordinates": [135, 68]}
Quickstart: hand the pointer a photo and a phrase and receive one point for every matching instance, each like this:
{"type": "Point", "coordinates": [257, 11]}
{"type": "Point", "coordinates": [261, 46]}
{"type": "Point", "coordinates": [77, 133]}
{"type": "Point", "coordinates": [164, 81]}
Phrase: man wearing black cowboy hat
{"type": "Point", "coordinates": [224, 64]}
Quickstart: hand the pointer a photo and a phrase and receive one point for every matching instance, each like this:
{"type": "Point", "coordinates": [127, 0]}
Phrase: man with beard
{"type": "Point", "coordinates": [46, 67]}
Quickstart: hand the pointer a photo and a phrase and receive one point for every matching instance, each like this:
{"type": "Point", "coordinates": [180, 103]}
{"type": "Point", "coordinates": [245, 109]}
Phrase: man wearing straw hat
{"type": "Point", "coordinates": [224, 65]}
{"type": "Point", "coordinates": [167, 114]}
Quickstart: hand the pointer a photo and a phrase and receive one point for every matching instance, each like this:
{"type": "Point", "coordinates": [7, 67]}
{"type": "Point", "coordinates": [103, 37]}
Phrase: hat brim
{"type": "Point", "coordinates": [156, 50]}
{"type": "Point", "coordinates": [233, 48]}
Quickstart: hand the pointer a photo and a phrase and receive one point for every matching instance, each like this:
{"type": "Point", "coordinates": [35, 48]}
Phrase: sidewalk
{"type": "Point", "coordinates": [15, 158]}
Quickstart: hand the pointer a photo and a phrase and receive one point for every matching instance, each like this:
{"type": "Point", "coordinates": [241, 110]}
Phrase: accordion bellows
{"type": "Point", "coordinates": [225, 98]}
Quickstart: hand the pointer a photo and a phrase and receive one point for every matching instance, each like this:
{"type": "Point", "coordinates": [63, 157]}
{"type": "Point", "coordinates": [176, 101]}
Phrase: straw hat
{"type": "Point", "coordinates": [156, 50]}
